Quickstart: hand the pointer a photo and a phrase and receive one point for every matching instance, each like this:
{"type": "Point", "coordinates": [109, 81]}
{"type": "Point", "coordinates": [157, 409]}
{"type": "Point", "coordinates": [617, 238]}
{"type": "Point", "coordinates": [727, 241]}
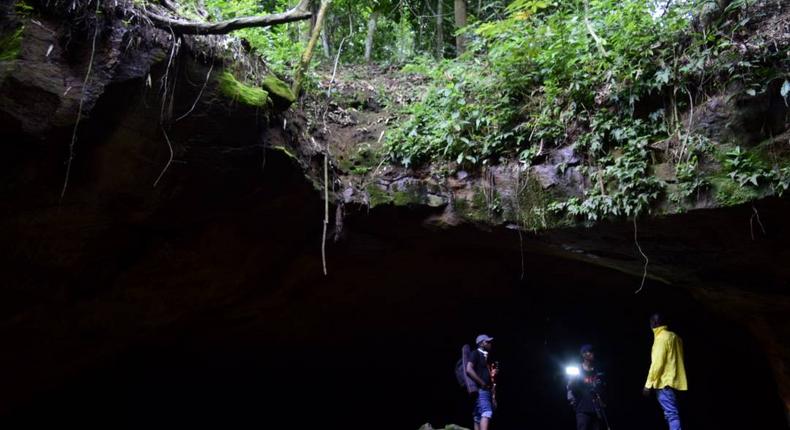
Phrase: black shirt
{"type": "Point", "coordinates": [480, 364]}
{"type": "Point", "coordinates": [584, 387]}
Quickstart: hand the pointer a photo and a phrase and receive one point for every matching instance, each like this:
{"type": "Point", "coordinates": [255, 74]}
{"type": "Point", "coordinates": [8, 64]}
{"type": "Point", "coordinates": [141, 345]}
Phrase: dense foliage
{"type": "Point", "coordinates": [609, 77]}
{"type": "Point", "coordinates": [613, 78]}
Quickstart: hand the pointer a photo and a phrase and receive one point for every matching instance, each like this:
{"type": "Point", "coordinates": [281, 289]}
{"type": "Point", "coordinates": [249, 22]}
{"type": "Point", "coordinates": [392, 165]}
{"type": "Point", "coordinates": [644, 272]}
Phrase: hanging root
{"type": "Point", "coordinates": [644, 274]}
{"type": "Point", "coordinates": [326, 209]}
{"type": "Point", "coordinates": [339, 216]}
{"type": "Point", "coordinates": [82, 102]}
{"type": "Point", "coordinates": [169, 160]}
{"type": "Point", "coordinates": [518, 189]}
{"type": "Point", "coordinates": [755, 215]}
{"type": "Point", "coordinates": [200, 94]}
{"type": "Point", "coordinates": [166, 112]}
{"type": "Point", "coordinates": [521, 248]}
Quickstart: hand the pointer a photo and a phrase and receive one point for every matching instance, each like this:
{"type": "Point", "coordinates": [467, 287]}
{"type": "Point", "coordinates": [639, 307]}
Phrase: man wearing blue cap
{"type": "Point", "coordinates": [477, 369]}
{"type": "Point", "coordinates": [584, 393]}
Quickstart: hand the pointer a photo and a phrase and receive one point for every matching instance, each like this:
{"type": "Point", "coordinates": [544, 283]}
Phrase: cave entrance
{"type": "Point", "coordinates": [373, 344]}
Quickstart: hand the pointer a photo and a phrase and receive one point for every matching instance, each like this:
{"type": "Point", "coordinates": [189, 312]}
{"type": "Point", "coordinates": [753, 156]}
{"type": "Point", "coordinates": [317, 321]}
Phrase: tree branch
{"type": "Point", "coordinates": [297, 13]}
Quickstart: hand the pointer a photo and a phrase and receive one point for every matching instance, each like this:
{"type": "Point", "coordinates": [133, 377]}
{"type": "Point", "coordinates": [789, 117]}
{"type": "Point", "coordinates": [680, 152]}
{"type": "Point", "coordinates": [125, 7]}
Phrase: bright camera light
{"type": "Point", "coordinates": [572, 371]}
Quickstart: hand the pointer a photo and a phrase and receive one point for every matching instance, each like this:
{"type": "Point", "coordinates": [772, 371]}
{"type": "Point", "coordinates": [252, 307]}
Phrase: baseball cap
{"type": "Point", "coordinates": [483, 338]}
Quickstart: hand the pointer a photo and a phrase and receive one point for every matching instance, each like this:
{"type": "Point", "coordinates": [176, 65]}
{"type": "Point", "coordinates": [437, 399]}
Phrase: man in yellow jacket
{"type": "Point", "coordinates": [667, 372]}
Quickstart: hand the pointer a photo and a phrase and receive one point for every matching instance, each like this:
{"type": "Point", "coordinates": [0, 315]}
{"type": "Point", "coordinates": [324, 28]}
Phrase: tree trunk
{"type": "Point", "coordinates": [325, 42]}
{"type": "Point", "coordinates": [460, 22]}
{"type": "Point", "coordinates": [439, 29]}
{"type": "Point", "coordinates": [372, 21]}
{"type": "Point", "coordinates": [304, 63]}
{"type": "Point", "coordinates": [307, 29]}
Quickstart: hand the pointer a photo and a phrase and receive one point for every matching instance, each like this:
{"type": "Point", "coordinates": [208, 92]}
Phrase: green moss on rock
{"type": "Point", "coordinates": [377, 196]}
{"type": "Point", "coordinates": [408, 194]}
{"type": "Point", "coordinates": [241, 92]}
{"type": "Point", "coordinates": [475, 208]}
{"type": "Point", "coordinates": [729, 193]}
{"type": "Point", "coordinates": [358, 161]}
{"type": "Point", "coordinates": [405, 198]}
{"type": "Point", "coordinates": [281, 95]}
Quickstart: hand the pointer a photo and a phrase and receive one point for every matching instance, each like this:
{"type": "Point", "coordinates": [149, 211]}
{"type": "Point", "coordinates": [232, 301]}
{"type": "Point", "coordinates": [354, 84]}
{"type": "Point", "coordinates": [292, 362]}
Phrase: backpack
{"type": "Point", "coordinates": [460, 371]}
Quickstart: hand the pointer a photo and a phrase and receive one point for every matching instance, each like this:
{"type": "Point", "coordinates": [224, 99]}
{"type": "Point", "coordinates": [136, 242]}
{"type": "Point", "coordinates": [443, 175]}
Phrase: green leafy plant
{"type": "Point", "coordinates": [749, 177]}
{"type": "Point", "coordinates": [781, 180]}
{"type": "Point", "coordinates": [745, 168]}
{"type": "Point", "coordinates": [623, 187]}
{"type": "Point", "coordinates": [11, 45]}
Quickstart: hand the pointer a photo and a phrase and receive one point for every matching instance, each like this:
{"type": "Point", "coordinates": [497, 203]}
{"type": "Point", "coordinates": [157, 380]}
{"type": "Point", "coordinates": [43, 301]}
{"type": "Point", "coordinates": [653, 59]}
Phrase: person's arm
{"type": "Point", "coordinates": [657, 362]}
{"type": "Point", "coordinates": [600, 388]}
{"type": "Point", "coordinates": [470, 370]}
{"type": "Point", "coordinates": [571, 395]}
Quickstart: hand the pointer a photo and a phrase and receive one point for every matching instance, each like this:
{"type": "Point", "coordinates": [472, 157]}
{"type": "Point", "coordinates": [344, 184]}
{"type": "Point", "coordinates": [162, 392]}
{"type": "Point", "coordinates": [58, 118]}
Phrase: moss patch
{"type": "Point", "coordinates": [280, 93]}
{"type": "Point", "coordinates": [360, 161]}
{"type": "Point", "coordinates": [377, 196]}
{"type": "Point", "coordinates": [11, 45]}
{"type": "Point", "coordinates": [475, 209]}
{"type": "Point", "coordinates": [243, 93]}
{"type": "Point", "coordinates": [729, 193]}
{"type": "Point", "coordinates": [529, 206]}
{"type": "Point", "coordinates": [407, 196]}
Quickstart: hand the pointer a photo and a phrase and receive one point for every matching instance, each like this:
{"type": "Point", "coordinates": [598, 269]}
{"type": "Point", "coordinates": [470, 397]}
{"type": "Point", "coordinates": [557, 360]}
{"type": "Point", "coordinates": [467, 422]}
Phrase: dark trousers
{"type": "Point", "coordinates": [588, 421]}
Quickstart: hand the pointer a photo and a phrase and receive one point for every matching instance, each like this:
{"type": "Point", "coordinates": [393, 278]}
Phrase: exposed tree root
{"type": "Point", "coordinates": [169, 160]}
{"type": "Point", "coordinates": [82, 102]}
{"type": "Point", "coordinates": [755, 215]}
{"type": "Point", "coordinates": [166, 114]}
{"type": "Point", "coordinates": [644, 274]}
{"type": "Point", "coordinates": [200, 94]}
{"type": "Point", "coordinates": [326, 209]}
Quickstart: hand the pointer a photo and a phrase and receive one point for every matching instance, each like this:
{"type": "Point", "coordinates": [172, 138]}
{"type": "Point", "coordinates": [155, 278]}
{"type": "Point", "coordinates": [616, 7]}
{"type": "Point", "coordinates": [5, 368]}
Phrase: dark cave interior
{"type": "Point", "coordinates": [202, 303]}
{"type": "Point", "coordinates": [373, 344]}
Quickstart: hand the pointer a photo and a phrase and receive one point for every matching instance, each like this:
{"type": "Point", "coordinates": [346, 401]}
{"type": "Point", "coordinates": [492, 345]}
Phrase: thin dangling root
{"type": "Point", "coordinates": [326, 209]}
{"type": "Point", "coordinates": [82, 102]}
{"type": "Point", "coordinates": [644, 274]}
{"type": "Point", "coordinates": [169, 160]}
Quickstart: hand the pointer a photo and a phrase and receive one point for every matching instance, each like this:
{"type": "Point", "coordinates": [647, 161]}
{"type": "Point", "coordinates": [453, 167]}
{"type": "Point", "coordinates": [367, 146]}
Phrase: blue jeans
{"type": "Point", "coordinates": [483, 406]}
{"type": "Point", "coordinates": [668, 399]}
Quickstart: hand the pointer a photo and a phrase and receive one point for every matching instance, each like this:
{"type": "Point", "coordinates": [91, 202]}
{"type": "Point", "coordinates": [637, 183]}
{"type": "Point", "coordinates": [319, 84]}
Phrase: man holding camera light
{"type": "Point", "coordinates": [585, 386]}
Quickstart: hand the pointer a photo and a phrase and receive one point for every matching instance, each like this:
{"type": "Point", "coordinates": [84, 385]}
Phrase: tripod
{"type": "Point", "coordinates": [600, 408]}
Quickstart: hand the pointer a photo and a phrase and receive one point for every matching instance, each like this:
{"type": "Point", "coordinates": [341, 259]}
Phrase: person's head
{"type": "Point", "coordinates": [484, 341]}
{"type": "Point", "coordinates": [588, 352]}
{"type": "Point", "coordinates": [657, 320]}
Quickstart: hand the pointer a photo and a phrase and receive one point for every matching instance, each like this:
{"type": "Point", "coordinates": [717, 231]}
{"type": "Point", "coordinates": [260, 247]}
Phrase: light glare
{"type": "Point", "coordinates": [572, 371]}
